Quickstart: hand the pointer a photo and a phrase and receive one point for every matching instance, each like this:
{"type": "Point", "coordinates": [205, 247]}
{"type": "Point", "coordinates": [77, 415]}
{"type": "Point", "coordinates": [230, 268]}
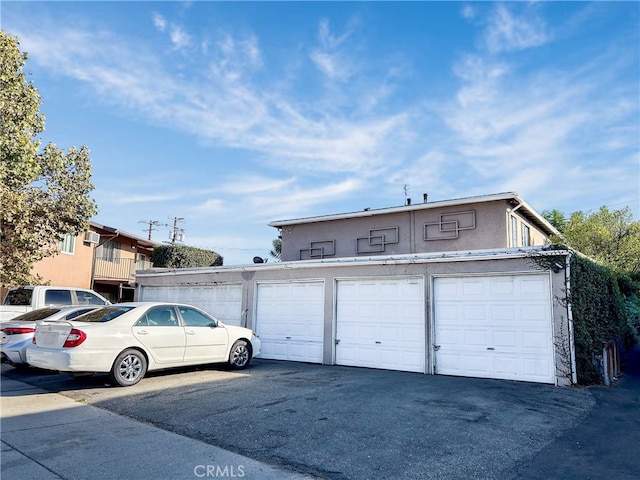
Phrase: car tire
{"type": "Point", "coordinates": [129, 368]}
{"type": "Point", "coordinates": [240, 355]}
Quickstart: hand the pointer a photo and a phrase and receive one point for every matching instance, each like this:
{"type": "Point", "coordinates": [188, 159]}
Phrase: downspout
{"type": "Point", "coordinates": [572, 346]}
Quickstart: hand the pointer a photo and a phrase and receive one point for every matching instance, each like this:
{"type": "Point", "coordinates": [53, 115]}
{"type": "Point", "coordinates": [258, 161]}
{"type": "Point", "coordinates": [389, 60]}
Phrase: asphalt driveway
{"type": "Point", "coordinates": [351, 423]}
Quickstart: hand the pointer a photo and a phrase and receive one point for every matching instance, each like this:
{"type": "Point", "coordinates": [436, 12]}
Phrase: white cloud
{"type": "Point", "coordinates": [509, 32]}
{"type": "Point", "coordinates": [179, 37]}
{"type": "Point", "coordinates": [159, 22]}
{"type": "Point", "coordinates": [124, 198]}
{"type": "Point", "coordinates": [210, 206]}
{"type": "Point", "coordinates": [297, 200]}
{"type": "Point", "coordinates": [328, 56]}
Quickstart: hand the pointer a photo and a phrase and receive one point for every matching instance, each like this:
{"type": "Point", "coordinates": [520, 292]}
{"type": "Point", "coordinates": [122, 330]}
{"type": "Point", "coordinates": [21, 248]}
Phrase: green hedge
{"type": "Point", "coordinates": [599, 314]}
{"type": "Point", "coordinates": [182, 256]}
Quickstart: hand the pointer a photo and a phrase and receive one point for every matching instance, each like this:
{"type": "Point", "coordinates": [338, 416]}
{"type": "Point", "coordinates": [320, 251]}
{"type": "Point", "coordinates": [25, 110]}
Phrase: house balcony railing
{"type": "Point", "coordinates": [122, 269]}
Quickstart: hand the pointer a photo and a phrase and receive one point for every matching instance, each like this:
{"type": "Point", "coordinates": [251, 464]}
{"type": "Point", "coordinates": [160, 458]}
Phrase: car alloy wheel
{"type": "Point", "coordinates": [129, 368]}
{"type": "Point", "coordinates": [240, 355]}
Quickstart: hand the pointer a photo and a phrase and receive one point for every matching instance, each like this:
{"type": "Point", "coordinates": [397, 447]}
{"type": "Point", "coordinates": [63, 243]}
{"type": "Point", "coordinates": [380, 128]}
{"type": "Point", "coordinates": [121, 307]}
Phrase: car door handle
{"type": "Point", "coordinates": [143, 332]}
{"type": "Point", "coordinates": [190, 332]}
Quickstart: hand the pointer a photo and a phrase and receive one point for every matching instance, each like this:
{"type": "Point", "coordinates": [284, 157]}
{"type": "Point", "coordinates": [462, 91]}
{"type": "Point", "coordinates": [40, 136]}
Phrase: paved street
{"type": "Point", "coordinates": [350, 423]}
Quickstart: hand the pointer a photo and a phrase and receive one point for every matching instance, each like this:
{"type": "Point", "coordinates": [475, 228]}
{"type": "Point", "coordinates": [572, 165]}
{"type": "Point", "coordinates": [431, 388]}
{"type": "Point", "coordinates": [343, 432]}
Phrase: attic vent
{"type": "Point", "coordinates": [92, 237]}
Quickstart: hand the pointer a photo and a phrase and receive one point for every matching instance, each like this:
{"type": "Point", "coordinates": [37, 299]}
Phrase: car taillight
{"type": "Point", "coordinates": [18, 330]}
{"type": "Point", "coordinates": [75, 338]}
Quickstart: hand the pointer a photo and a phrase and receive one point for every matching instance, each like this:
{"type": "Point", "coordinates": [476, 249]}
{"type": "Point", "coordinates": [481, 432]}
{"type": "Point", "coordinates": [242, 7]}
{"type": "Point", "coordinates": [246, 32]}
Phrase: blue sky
{"type": "Point", "coordinates": [235, 114]}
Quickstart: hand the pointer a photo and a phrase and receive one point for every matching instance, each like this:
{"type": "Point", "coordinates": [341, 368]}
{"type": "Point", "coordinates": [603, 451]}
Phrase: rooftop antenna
{"type": "Point", "coordinates": [407, 200]}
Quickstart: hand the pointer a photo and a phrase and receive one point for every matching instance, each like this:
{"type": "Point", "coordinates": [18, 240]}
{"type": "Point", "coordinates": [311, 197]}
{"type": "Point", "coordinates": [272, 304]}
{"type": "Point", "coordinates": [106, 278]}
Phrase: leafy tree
{"type": "Point", "coordinates": [183, 256]}
{"type": "Point", "coordinates": [44, 194]}
{"type": "Point", "coordinates": [610, 237]}
{"type": "Point", "coordinates": [276, 251]}
{"type": "Point", "coordinates": [555, 218]}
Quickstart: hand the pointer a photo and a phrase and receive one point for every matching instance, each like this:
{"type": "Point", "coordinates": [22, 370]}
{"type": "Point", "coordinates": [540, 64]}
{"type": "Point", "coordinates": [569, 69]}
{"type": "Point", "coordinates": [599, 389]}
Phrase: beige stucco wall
{"type": "Point", "coordinates": [69, 270]}
{"type": "Point", "coordinates": [481, 226]}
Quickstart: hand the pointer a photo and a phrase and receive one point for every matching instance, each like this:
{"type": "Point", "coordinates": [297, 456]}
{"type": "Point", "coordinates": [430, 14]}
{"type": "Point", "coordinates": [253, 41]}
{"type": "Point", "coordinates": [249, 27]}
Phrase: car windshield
{"type": "Point", "coordinates": [19, 296]}
{"type": "Point", "coordinates": [103, 314]}
{"type": "Point", "coordinates": [36, 315]}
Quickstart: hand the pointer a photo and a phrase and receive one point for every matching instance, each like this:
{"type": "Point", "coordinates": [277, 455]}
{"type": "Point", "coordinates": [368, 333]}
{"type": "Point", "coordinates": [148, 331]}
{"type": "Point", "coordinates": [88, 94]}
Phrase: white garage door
{"type": "Point", "coordinates": [380, 323]}
{"type": "Point", "coordinates": [222, 301]}
{"type": "Point", "coordinates": [290, 320]}
{"type": "Point", "coordinates": [494, 327]}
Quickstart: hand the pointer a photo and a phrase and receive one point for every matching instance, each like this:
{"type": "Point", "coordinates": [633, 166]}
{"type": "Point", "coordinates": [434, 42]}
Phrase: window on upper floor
{"type": "Point", "coordinates": [110, 251]}
{"type": "Point", "coordinates": [68, 244]}
{"type": "Point", "coordinates": [514, 231]}
{"type": "Point", "coordinates": [526, 237]}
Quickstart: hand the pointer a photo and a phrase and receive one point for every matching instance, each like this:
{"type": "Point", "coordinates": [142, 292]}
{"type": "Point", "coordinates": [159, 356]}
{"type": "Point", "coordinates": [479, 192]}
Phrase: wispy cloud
{"type": "Point", "coordinates": [328, 56]}
{"type": "Point", "coordinates": [179, 37]}
{"type": "Point", "coordinates": [126, 198]}
{"type": "Point", "coordinates": [159, 21]}
{"type": "Point", "coordinates": [511, 127]}
{"type": "Point", "coordinates": [523, 131]}
{"type": "Point", "coordinates": [508, 32]}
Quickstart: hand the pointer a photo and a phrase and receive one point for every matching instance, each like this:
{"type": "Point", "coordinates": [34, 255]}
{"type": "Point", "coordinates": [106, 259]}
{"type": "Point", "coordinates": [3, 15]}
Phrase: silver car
{"type": "Point", "coordinates": [18, 332]}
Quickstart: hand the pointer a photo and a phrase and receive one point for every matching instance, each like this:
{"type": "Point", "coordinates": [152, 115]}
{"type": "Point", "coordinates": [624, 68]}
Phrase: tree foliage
{"type": "Point", "coordinates": [599, 314]}
{"type": "Point", "coordinates": [555, 218]}
{"type": "Point", "coordinates": [611, 238]}
{"type": "Point", "coordinates": [276, 251]}
{"type": "Point", "coordinates": [183, 256]}
{"type": "Point", "coordinates": [45, 194]}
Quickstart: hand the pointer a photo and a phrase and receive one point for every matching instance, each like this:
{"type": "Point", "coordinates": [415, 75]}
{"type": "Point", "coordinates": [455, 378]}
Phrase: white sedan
{"type": "Point", "coordinates": [17, 333]}
{"type": "Point", "coordinates": [128, 339]}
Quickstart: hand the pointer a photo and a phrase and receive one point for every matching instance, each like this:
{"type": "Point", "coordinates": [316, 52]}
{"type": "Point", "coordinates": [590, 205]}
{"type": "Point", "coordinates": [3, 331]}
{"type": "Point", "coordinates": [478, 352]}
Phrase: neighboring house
{"type": "Point", "coordinates": [103, 258]}
{"type": "Point", "coordinates": [492, 221]}
{"type": "Point", "coordinates": [450, 287]}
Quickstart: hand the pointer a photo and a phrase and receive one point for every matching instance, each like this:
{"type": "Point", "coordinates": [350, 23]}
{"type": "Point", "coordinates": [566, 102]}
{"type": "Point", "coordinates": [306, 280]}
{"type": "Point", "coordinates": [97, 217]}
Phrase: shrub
{"type": "Point", "coordinates": [599, 314]}
{"type": "Point", "coordinates": [182, 256]}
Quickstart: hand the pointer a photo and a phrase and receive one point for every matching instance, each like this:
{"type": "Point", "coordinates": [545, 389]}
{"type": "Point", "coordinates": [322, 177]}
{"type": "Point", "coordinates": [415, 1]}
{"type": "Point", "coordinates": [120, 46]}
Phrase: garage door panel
{"type": "Point", "coordinates": [473, 287]}
{"type": "Point", "coordinates": [475, 338]}
{"type": "Point", "coordinates": [506, 339]}
{"type": "Point", "coordinates": [505, 313]}
{"type": "Point", "coordinates": [290, 320]}
{"type": "Point", "coordinates": [473, 312]}
{"type": "Point", "coordinates": [506, 334]}
{"type": "Point", "coordinates": [506, 366]}
{"type": "Point", "coordinates": [390, 323]}
{"type": "Point", "coordinates": [476, 363]}
{"type": "Point", "coordinates": [534, 287]}
{"type": "Point", "coordinates": [501, 287]}
{"type": "Point", "coordinates": [222, 301]}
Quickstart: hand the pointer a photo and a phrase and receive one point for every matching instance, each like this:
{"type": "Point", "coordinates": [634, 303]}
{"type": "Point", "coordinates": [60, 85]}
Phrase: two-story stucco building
{"type": "Point", "coordinates": [103, 258]}
{"type": "Point", "coordinates": [448, 287]}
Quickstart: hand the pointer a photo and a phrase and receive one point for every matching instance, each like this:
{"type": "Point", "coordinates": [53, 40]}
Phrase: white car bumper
{"type": "Point", "coordinates": [255, 345]}
{"type": "Point", "coordinates": [70, 360]}
{"type": "Point", "coordinates": [15, 352]}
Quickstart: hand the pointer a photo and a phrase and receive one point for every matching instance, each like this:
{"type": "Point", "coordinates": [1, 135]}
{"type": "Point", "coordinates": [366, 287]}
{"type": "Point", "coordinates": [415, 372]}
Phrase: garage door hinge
{"type": "Point", "coordinates": [436, 347]}
{"type": "Point", "coordinates": [337, 341]}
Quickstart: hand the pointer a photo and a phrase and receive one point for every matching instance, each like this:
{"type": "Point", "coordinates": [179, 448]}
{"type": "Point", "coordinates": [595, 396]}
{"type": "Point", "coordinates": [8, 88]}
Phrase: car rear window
{"type": "Point", "coordinates": [104, 314]}
{"type": "Point", "coordinates": [35, 315]}
{"type": "Point", "coordinates": [57, 297]}
{"type": "Point", "coordinates": [19, 296]}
